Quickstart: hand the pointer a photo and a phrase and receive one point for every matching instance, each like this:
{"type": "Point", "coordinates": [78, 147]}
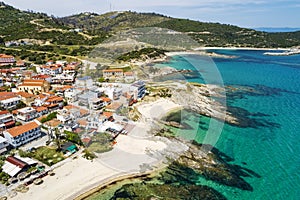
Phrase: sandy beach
{"type": "Point", "coordinates": [157, 109]}
{"type": "Point", "coordinates": [200, 52]}
{"type": "Point", "coordinates": [134, 154]}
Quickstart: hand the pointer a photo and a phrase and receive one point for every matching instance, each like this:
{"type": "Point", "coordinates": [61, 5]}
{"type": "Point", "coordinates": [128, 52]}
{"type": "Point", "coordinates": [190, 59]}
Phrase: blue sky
{"type": "Point", "coordinates": [245, 13]}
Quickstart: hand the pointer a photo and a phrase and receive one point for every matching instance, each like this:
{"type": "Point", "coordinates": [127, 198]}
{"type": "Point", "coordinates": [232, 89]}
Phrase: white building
{"type": "Point", "coordinates": [3, 144]}
{"type": "Point", "coordinates": [63, 78]}
{"type": "Point", "coordinates": [86, 81]}
{"type": "Point", "coordinates": [113, 73]}
{"type": "Point", "coordinates": [71, 95]}
{"type": "Point", "coordinates": [9, 100]}
{"type": "Point", "coordinates": [6, 119]}
{"type": "Point", "coordinates": [23, 134]}
{"type": "Point", "coordinates": [96, 103]}
{"type": "Point", "coordinates": [138, 89]}
{"type": "Point", "coordinates": [27, 114]}
{"type": "Point", "coordinates": [50, 69]}
{"type": "Point", "coordinates": [64, 116]}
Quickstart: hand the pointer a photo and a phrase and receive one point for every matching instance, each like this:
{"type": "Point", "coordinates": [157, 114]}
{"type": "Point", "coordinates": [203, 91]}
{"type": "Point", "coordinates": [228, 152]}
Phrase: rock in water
{"type": "Point", "coordinates": [150, 191]}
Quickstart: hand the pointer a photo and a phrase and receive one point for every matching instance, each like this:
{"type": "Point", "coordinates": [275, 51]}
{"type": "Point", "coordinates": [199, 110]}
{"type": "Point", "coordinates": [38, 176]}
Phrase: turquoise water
{"type": "Point", "coordinates": [270, 147]}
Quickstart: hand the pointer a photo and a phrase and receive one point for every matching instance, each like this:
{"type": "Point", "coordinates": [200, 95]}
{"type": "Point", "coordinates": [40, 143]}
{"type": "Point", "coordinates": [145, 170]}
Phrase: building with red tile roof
{"type": "Point", "coordinates": [113, 73]}
{"type": "Point", "coordinates": [6, 60]}
{"type": "Point", "coordinates": [9, 100]}
{"type": "Point", "coordinates": [34, 86]}
{"type": "Point", "coordinates": [26, 97]}
{"type": "Point", "coordinates": [23, 134]}
{"type": "Point", "coordinates": [51, 69]}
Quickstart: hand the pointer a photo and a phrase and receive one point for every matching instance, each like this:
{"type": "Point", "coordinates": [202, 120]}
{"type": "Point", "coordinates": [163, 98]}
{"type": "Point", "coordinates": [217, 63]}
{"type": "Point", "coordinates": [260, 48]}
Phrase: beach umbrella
{"type": "Point", "coordinates": [22, 176]}
{"type": "Point", "coordinates": [12, 180]}
{"type": "Point", "coordinates": [22, 188]}
{"type": "Point", "coordinates": [38, 181]}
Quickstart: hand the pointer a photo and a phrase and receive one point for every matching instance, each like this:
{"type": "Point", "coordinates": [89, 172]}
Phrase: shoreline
{"type": "Point", "coordinates": [104, 184]}
{"type": "Point", "coordinates": [201, 51]}
{"type": "Point", "coordinates": [198, 52]}
{"type": "Point", "coordinates": [148, 155]}
{"type": "Point", "coordinates": [244, 48]}
{"type": "Point", "coordinates": [156, 168]}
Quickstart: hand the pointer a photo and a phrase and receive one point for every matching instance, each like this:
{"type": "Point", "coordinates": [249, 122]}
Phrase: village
{"type": "Point", "coordinates": [50, 113]}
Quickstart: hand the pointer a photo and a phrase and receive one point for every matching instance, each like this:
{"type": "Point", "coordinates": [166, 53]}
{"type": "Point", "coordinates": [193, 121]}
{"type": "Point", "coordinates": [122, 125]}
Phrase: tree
{"type": "Point", "coordinates": [57, 139]}
{"type": "Point", "coordinates": [102, 79]}
{"type": "Point", "coordinates": [21, 104]}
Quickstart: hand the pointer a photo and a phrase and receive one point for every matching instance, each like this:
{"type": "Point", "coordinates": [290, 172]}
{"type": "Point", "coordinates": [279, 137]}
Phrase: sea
{"type": "Point", "coordinates": [268, 96]}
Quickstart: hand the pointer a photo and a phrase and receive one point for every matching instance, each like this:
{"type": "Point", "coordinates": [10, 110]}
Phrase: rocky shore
{"type": "Point", "coordinates": [180, 180]}
{"type": "Point", "coordinates": [199, 98]}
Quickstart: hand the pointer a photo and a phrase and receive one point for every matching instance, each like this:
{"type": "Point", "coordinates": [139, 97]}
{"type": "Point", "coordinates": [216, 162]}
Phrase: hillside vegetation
{"type": "Point", "coordinates": [40, 28]}
{"type": "Point", "coordinates": [142, 54]}
{"type": "Point", "coordinates": [83, 31]}
{"type": "Point", "coordinates": [216, 34]}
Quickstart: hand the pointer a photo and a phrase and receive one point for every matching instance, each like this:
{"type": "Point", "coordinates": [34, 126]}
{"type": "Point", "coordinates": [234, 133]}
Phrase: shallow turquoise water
{"type": "Point", "coordinates": [271, 146]}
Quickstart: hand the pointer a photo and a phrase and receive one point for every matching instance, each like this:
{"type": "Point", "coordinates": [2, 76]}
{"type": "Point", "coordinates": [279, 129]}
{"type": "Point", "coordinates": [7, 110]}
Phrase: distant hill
{"type": "Point", "coordinates": [277, 30]}
{"type": "Point", "coordinates": [88, 29]}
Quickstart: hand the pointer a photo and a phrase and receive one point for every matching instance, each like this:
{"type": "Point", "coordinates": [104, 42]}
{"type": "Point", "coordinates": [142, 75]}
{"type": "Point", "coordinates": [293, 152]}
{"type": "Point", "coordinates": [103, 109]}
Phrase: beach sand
{"type": "Point", "coordinates": [80, 175]}
{"type": "Point", "coordinates": [157, 109]}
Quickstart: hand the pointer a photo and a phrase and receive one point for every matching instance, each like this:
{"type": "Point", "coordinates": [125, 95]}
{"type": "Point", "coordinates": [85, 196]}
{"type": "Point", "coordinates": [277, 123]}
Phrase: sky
{"type": "Point", "coordinates": [244, 13]}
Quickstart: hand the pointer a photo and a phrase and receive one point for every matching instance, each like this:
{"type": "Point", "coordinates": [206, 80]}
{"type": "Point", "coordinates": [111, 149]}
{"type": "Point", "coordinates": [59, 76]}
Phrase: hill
{"type": "Point", "coordinates": [112, 21]}
{"type": "Point", "coordinates": [206, 34]}
{"type": "Point", "coordinates": [87, 29]}
{"type": "Point", "coordinates": [39, 28]}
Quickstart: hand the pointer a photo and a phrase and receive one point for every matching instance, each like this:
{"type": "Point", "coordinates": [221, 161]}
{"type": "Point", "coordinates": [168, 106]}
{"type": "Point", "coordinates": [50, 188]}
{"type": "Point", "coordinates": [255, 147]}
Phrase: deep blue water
{"type": "Point", "coordinates": [270, 147]}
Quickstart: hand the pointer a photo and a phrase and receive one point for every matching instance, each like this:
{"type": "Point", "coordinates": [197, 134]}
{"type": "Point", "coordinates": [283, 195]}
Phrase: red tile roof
{"type": "Point", "coordinates": [32, 82]}
{"type": "Point", "coordinates": [25, 94]}
{"type": "Point", "coordinates": [17, 162]}
{"type": "Point", "coordinates": [18, 130]}
{"type": "Point", "coordinates": [108, 114]}
{"type": "Point", "coordinates": [128, 73]}
{"type": "Point", "coordinates": [82, 122]}
{"type": "Point", "coordinates": [105, 99]}
{"type": "Point", "coordinates": [40, 109]}
{"type": "Point", "coordinates": [4, 112]}
{"type": "Point", "coordinates": [40, 76]}
{"type": "Point", "coordinates": [112, 70]}
{"type": "Point", "coordinates": [10, 123]}
{"type": "Point", "coordinates": [41, 96]}
{"type": "Point", "coordinates": [54, 99]}
{"type": "Point", "coordinates": [69, 107]}
{"type": "Point", "coordinates": [69, 67]}
{"type": "Point", "coordinates": [7, 95]}
{"type": "Point", "coordinates": [5, 56]}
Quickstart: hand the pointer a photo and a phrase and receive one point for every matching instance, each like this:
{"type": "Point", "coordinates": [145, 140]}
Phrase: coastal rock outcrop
{"type": "Point", "coordinates": [209, 163]}
{"type": "Point", "coordinates": [167, 192]}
